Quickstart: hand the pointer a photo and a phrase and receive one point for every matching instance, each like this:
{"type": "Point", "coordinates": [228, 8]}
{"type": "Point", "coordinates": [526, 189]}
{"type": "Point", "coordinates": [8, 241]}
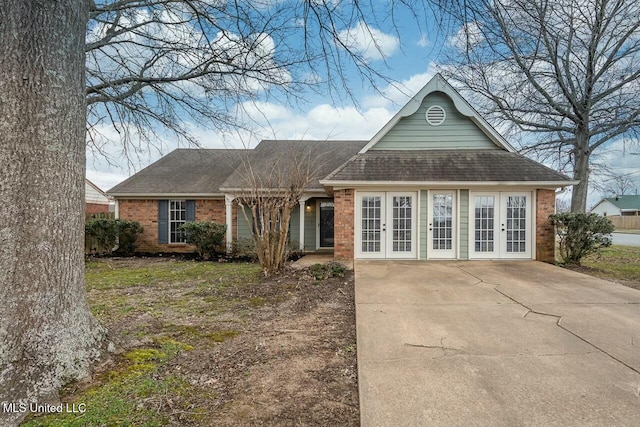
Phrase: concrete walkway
{"type": "Point", "coordinates": [495, 344]}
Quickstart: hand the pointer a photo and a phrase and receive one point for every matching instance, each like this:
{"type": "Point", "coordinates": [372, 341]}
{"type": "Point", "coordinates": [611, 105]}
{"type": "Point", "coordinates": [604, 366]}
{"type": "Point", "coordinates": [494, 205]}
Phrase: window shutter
{"type": "Point", "coordinates": [163, 221]}
{"type": "Point", "coordinates": [191, 210]}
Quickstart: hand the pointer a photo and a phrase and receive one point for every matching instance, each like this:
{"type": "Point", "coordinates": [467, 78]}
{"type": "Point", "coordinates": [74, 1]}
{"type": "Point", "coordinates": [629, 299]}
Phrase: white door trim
{"type": "Point", "coordinates": [386, 225]}
{"type": "Point", "coordinates": [413, 253]}
{"type": "Point", "coordinates": [358, 225]}
{"type": "Point", "coordinates": [495, 253]}
{"type": "Point", "coordinates": [439, 253]}
{"type": "Point", "coordinates": [318, 202]}
{"type": "Point", "coordinates": [499, 226]}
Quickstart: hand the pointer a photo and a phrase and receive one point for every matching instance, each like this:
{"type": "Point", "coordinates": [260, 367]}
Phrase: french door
{"type": "Point", "coordinates": [500, 225]}
{"type": "Point", "coordinates": [386, 225]}
{"type": "Point", "coordinates": [442, 224]}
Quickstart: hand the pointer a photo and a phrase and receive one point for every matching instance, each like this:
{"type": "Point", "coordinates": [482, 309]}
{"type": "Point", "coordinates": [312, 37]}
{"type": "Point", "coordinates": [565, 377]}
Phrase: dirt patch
{"type": "Point", "coordinates": [279, 351]}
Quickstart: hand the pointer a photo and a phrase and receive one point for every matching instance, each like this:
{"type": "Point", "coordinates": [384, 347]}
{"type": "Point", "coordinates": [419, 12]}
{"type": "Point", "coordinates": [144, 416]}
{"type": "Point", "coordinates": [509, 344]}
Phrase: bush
{"type": "Point", "coordinates": [581, 234]}
{"type": "Point", "coordinates": [245, 248]}
{"type": "Point", "coordinates": [103, 235]}
{"type": "Point", "coordinates": [325, 271]}
{"type": "Point", "coordinates": [127, 236]}
{"type": "Point", "coordinates": [206, 236]}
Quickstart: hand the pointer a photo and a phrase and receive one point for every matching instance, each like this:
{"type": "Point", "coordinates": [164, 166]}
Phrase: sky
{"type": "Point", "coordinates": [410, 58]}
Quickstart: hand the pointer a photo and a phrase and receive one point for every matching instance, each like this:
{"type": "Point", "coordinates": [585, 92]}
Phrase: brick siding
{"type": "Point", "coordinates": [93, 208]}
{"type": "Point", "coordinates": [545, 232]}
{"type": "Point", "coordinates": [146, 213]}
{"type": "Point", "coordinates": [343, 201]}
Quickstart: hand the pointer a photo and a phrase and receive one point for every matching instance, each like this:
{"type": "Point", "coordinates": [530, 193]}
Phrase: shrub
{"type": "Point", "coordinates": [580, 234]}
{"type": "Point", "coordinates": [325, 271]}
{"type": "Point", "coordinates": [103, 235]}
{"type": "Point", "coordinates": [245, 248]}
{"type": "Point", "coordinates": [206, 236]}
{"type": "Point", "coordinates": [127, 236]}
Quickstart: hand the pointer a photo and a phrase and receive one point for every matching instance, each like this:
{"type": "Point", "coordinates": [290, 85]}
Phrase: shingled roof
{"type": "Point", "coordinates": [183, 172]}
{"type": "Point", "coordinates": [625, 202]}
{"type": "Point", "coordinates": [443, 166]}
{"type": "Point", "coordinates": [270, 159]}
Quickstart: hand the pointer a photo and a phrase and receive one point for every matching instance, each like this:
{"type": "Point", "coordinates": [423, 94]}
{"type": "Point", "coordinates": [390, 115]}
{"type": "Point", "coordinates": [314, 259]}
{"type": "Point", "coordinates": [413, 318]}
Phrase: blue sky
{"type": "Point", "coordinates": [408, 54]}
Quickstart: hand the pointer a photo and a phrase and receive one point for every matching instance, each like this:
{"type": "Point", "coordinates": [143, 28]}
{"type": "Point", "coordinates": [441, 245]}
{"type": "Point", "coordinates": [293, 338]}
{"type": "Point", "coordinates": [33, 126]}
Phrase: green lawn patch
{"type": "Point", "coordinates": [131, 394]}
{"type": "Point", "coordinates": [109, 274]}
{"type": "Point", "coordinates": [616, 263]}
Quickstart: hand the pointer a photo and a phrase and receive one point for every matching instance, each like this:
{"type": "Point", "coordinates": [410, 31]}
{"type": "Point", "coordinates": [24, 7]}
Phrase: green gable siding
{"type": "Point", "coordinates": [464, 224]}
{"type": "Point", "coordinates": [414, 133]}
{"type": "Point", "coordinates": [423, 235]}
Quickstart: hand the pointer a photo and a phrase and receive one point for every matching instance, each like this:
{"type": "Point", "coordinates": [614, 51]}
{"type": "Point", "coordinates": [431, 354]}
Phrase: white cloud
{"type": "Point", "coordinates": [423, 42]}
{"type": "Point", "coordinates": [468, 36]}
{"type": "Point", "coordinates": [271, 121]}
{"type": "Point", "coordinates": [397, 94]}
{"type": "Point", "coordinates": [105, 180]}
{"type": "Point", "coordinates": [369, 42]}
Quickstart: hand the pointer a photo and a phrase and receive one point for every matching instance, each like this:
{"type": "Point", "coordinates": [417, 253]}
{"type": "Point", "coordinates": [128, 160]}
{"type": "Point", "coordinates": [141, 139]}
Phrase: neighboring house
{"type": "Point", "coordinates": [436, 182]}
{"type": "Point", "coordinates": [618, 206]}
{"type": "Point", "coordinates": [96, 201]}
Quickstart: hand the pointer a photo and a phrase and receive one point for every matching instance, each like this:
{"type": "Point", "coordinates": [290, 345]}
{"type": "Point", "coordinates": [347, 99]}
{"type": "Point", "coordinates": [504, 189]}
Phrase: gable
{"type": "Point", "coordinates": [605, 206]}
{"type": "Point", "coordinates": [415, 133]}
{"type": "Point", "coordinates": [93, 194]}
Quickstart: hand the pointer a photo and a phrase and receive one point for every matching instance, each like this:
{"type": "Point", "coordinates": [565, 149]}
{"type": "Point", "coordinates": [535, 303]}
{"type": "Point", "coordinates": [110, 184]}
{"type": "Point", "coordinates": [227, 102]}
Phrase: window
{"type": "Point", "coordinates": [177, 217]}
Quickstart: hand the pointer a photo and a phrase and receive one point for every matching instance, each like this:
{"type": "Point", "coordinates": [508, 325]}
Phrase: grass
{"type": "Point", "coordinates": [169, 306]}
{"type": "Point", "coordinates": [106, 274]}
{"type": "Point", "coordinates": [616, 262]}
{"type": "Point", "coordinates": [129, 395]}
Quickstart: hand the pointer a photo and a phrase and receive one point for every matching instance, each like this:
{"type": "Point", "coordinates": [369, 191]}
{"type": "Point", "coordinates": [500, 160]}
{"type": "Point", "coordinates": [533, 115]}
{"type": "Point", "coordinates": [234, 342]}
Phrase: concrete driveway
{"type": "Point", "coordinates": [495, 343]}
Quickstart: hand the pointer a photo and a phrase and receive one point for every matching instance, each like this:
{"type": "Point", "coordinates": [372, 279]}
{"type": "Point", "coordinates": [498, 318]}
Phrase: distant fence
{"type": "Point", "coordinates": [625, 222]}
{"type": "Point", "coordinates": [105, 215]}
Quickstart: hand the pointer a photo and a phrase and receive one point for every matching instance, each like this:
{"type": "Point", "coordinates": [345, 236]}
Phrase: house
{"type": "Point", "coordinates": [618, 206]}
{"type": "Point", "coordinates": [96, 201]}
{"type": "Point", "coordinates": [436, 182]}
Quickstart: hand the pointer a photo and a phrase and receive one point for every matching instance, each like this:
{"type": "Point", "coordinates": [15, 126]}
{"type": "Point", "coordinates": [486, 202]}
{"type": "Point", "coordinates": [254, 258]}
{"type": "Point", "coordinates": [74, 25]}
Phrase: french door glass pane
{"type": "Point", "coordinates": [442, 225]}
{"type": "Point", "coordinates": [371, 219]}
{"type": "Point", "coordinates": [401, 232]}
{"type": "Point", "coordinates": [516, 224]}
{"type": "Point", "coordinates": [484, 217]}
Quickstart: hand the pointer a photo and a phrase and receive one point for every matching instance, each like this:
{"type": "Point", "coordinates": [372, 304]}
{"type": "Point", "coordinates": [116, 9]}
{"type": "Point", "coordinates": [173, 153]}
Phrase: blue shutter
{"type": "Point", "coordinates": [191, 210]}
{"type": "Point", "coordinates": [163, 221]}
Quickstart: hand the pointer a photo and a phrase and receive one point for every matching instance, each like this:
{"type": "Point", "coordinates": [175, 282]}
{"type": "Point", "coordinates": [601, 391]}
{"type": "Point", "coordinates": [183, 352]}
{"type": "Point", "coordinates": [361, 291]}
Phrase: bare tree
{"type": "Point", "coordinates": [152, 67]}
{"type": "Point", "coordinates": [613, 184]}
{"type": "Point", "coordinates": [166, 66]}
{"type": "Point", "coordinates": [270, 192]}
{"type": "Point", "coordinates": [563, 74]}
{"type": "Point", "coordinates": [47, 333]}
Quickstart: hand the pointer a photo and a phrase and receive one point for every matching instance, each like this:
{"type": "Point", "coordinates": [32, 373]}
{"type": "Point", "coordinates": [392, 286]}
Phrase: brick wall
{"type": "Point", "coordinates": [93, 208]}
{"type": "Point", "coordinates": [545, 232]}
{"type": "Point", "coordinates": [343, 201]}
{"type": "Point", "coordinates": [146, 213]}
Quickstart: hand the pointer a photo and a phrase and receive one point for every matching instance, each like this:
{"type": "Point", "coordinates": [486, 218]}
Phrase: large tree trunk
{"type": "Point", "coordinates": [47, 333]}
{"type": "Point", "coordinates": [581, 172]}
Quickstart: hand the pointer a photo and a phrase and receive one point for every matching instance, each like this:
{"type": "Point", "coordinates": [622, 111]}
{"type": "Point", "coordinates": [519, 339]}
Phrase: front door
{"type": "Point", "coordinates": [442, 224]}
{"type": "Point", "coordinates": [325, 223]}
{"type": "Point", "coordinates": [500, 225]}
{"type": "Point", "coordinates": [386, 225]}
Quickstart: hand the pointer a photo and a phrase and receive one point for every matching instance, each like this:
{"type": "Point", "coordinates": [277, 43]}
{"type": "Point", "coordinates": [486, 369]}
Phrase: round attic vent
{"type": "Point", "coordinates": [435, 115]}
